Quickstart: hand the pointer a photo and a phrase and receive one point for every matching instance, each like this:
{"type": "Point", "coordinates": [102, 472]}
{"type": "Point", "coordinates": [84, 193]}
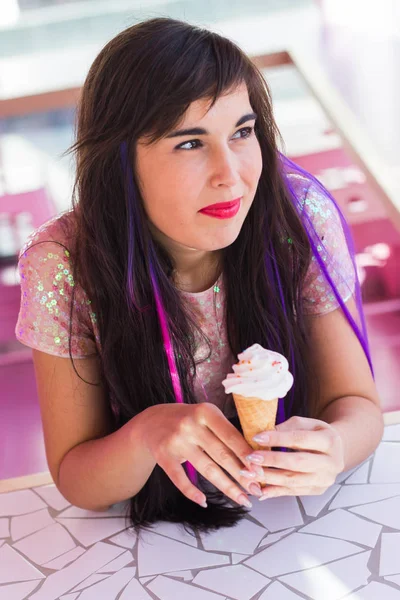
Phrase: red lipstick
{"type": "Point", "coordinates": [222, 210]}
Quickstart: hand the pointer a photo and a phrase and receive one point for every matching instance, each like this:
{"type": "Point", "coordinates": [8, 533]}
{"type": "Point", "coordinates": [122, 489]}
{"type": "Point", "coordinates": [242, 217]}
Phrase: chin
{"type": "Point", "coordinates": [221, 241]}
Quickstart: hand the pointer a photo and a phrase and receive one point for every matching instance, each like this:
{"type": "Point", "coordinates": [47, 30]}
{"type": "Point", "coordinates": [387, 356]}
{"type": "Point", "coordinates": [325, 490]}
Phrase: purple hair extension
{"type": "Point", "coordinates": [272, 272]}
{"type": "Point", "coordinates": [176, 384]}
{"type": "Point", "coordinates": [134, 232]}
{"type": "Point", "coordinates": [281, 406]}
{"type": "Point", "coordinates": [133, 228]}
{"type": "Point", "coordinates": [288, 165]}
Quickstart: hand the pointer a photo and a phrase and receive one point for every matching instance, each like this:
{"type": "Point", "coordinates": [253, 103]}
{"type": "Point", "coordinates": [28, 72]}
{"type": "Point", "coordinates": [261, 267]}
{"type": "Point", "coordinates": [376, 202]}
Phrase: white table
{"type": "Point", "coordinates": [346, 541]}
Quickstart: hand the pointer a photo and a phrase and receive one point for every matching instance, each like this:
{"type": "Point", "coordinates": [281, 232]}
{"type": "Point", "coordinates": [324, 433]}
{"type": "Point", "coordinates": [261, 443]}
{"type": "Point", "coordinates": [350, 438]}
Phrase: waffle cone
{"type": "Point", "coordinates": [255, 415]}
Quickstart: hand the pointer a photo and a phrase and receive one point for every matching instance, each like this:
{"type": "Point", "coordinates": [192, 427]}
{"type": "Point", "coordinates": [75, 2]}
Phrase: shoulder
{"type": "Point", "coordinates": [311, 195]}
{"type": "Point", "coordinates": [46, 259]}
{"type": "Point", "coordinates": [51, 300]}
{"type": "Point", "coordinates": [46, 254]}
{"type": "Point", "coordinates": [331, 261]}
{"type": "Point", "coordinates": [59, 230]}
{"type": "Point", "coordinates": [319, 212]}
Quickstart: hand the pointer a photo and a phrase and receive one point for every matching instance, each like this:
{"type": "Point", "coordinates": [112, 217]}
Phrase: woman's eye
{"type": "Point", "coordinates": [245, 132]}
{"type": "Point", "coordinates": [190, 145]}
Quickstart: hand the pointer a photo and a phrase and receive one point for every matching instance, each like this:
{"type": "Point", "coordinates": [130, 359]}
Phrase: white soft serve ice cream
{"type": "Point", "coordinates": [260, 373]}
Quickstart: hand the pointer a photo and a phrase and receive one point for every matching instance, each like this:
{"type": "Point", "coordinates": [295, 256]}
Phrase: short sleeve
{"type": "Point", "coordinates": [47, 285]}
{"type": "Point", "coordinates": [333, 250]}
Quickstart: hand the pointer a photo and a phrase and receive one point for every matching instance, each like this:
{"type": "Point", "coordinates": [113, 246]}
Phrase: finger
{"type": "Point", "coordinates": [215, 420]}
{"type": "Point", "coordinates": [275, 491]}
{"type": "Point", "coordinates": [224, 457]}
{"type": "Point", "coordinates": [177, 475]}
{"type": "Point", "coordinates": [300, 462]}
{"type": "Point", "coordinates": [215, 475]}
{"type": "Point", "coordinates": [294, 480]}
{"type": "Point", "coordinates": [300, 439]}
{"type": "Point", "coordinates": [302, 423]}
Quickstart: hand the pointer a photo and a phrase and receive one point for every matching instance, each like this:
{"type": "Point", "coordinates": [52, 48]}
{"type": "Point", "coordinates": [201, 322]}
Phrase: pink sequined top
{"type": "Point", "coordinates": [47, 282]}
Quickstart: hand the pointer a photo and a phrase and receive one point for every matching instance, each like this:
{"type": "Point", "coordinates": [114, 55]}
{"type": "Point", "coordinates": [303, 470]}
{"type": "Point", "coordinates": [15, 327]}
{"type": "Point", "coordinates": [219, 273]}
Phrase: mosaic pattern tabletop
{"type": "Point", "coordinates": [343, 544]}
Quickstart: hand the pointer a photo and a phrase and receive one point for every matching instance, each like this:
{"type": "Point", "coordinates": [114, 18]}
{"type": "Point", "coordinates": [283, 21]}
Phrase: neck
{"type": "Point", "coordinates": [194, 270]}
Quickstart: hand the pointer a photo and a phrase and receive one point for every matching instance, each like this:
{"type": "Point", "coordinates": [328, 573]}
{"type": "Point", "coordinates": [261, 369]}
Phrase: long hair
{"type": "Point", "coordinates": [141, 84]}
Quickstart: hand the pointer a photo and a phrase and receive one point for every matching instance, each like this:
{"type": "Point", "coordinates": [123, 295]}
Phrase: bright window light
{"type": "Point", "coordinates": [9, 13]}
{"type": "Point", "coordinates": [367, 16]}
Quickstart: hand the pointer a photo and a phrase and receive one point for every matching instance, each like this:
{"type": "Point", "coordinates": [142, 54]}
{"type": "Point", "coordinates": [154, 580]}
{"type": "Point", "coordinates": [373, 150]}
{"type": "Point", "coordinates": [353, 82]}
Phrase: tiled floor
{"type": "Point", "coordinates": [315, 547]}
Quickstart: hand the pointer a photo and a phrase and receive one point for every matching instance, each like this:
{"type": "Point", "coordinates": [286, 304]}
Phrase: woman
{"type": "Point", "coordinates": [156, 289]}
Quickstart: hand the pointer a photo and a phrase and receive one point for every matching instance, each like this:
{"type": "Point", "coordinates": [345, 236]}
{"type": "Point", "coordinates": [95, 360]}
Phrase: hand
{"type": "Point", "coordinates": [202, 435]}
{"type": "Point", "coordinates": [311, 470]}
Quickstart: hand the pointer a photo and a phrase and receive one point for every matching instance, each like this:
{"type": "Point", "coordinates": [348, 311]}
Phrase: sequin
{"type": "Point", "coordinates": [317, 293]}
{"type": "Point", "coordinates": [44, 316]}
{"type": "Point", "coordinates": [47, 285]}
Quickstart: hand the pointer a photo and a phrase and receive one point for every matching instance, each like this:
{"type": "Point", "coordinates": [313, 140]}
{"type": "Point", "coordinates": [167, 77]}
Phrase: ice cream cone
{"type": "Point", "coordinates": [255, 416]}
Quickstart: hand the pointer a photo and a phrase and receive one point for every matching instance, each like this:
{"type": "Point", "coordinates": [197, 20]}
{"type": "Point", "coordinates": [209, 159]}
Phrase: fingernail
{"type": "Point", "coordinates": [259, 471]}
{"type": "Point", "coordinates": [244, 501]}
{"type": "Point", "coordinates": [255, 490]}
{"type": "Point", "coordinates": [201, 502]}
{"type": "Point", "coordinates": [262, 438]}
{"type": "Point", "coordinates": [256, 458]}
{"type": "Point", "coordinates": [263, 497]}
{"type": "Point", "coordinates": [248, 474]}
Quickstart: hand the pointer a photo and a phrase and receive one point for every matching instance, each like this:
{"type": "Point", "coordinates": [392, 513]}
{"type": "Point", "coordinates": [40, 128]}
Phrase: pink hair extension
{"type": "Point", "coordinates": [176, 384]}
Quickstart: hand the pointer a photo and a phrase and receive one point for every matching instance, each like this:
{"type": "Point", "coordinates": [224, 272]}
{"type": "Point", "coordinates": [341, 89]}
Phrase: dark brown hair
{"type": "Point", "coordinates": [141, 83]}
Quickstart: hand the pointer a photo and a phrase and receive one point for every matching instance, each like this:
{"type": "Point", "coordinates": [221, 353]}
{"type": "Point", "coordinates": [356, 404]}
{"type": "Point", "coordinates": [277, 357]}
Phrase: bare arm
{"type": "Point", "coordinates": [360, 424]}
{"type": "Point", "coordinates": [94, 467]}
{"type": "Point", "coordinates": [348, 397]}
{"type": "Point", "coordinates": [91, 467]}
{"type": "Point", "coordinates": [343, 429]}
{"type": "Point", "coordinates": [98, 473]}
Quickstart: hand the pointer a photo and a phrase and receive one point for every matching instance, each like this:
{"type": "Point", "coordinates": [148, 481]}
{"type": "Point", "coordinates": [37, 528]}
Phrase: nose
{"type": "Point", "coordinates": [224, 168]}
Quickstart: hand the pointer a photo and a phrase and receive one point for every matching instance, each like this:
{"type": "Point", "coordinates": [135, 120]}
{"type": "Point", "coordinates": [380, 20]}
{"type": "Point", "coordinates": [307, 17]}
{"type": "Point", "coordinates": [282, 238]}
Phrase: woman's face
{"type": "Point", "coordinates": [184, 172]}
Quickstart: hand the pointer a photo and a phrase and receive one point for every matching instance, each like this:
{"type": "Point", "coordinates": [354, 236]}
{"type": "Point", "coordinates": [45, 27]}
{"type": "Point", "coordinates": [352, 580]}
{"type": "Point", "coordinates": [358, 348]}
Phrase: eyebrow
{"type": "Point", "coordinates": [200, 131]}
